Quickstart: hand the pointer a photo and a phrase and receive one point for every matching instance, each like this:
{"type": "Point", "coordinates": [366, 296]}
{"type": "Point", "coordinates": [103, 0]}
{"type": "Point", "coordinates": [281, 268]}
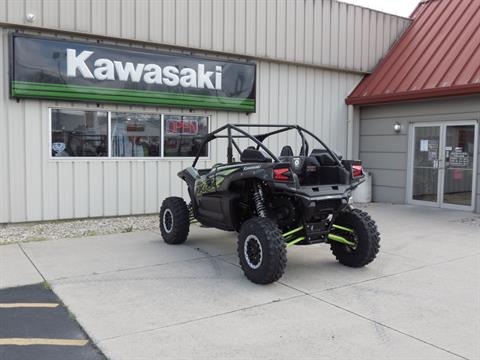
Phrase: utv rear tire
{"type": "Point", "coordinates": [174, 220]}
{"type": "Point", "coordinates": [366, 236]}
{"type": "Point", "coordinates": [261, 250]}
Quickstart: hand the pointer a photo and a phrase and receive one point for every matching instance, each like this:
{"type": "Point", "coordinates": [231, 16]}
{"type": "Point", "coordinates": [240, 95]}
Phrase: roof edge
{"type": "Point", "coordinates": [414, 95]}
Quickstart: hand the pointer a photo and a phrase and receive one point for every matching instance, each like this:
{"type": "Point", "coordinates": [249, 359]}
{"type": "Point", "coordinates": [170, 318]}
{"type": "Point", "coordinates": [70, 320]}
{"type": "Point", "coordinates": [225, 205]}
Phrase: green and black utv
{"type": "Point", "coordinates": [274, 202]}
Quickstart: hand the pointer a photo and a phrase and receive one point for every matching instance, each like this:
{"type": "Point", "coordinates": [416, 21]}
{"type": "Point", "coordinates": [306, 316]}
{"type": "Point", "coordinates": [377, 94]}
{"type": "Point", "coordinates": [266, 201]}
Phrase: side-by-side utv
{"type": "Point", "coordinates": [274, 202]}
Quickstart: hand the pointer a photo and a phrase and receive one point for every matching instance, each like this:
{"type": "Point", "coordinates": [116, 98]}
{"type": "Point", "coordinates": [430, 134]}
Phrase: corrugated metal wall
{"type": "Point", "coordinates": [385, 154]}
{"type": "Point", "coordinates": [319, 32]}
{"type": "Point", "coordinates": [34, 187]}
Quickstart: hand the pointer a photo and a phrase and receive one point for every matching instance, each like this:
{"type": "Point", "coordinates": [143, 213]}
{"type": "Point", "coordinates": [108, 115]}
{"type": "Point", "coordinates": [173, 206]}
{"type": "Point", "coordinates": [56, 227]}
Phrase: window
{"type": "Point", "coordinates": [79, 133]}
{"type": "Point", "coordinates": [135, 135]}
{"type": "Point", "coordinates": [85, 133]}
{"type": "Point", "coordinates": [184, 135]}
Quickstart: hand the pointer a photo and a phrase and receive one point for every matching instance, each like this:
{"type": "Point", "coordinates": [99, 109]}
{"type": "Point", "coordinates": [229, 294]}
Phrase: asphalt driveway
{"type": "Point", "coordinates": [139, 298]}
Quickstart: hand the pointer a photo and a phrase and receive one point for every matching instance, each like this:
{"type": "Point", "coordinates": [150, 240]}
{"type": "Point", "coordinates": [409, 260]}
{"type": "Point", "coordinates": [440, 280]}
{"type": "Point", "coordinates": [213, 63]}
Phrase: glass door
{"type": "Point", "coordinates": [460, 160]}
{"type": "Point", "coordinates": [426, 164]}
{"type": "Point", "coordinates": [443, 168]}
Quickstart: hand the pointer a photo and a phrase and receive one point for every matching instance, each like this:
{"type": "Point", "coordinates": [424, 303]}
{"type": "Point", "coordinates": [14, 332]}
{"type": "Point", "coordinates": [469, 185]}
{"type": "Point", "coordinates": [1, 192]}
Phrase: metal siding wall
{"type": "Point", "coordinates": [43, 189]}
{"type": "Point", "coordinates": [319, 33]}
{"type": "Point", "coordinates": [385, 153]}
{"type": "Point", "coordinates": [307, 31]}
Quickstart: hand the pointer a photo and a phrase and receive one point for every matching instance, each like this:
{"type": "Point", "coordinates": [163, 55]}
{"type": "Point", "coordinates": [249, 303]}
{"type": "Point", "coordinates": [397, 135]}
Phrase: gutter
{"type": "Point", "coordinates": [414, 95]}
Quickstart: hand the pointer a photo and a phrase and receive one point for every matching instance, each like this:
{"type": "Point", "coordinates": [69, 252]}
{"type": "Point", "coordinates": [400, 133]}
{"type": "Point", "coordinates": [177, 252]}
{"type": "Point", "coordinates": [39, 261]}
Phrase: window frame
{"type": "Point", "coordinates": [162, 157]}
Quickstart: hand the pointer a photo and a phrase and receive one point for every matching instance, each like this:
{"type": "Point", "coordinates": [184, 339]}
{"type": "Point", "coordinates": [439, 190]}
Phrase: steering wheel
{"type": "Point", "coordinates": [217, 165]}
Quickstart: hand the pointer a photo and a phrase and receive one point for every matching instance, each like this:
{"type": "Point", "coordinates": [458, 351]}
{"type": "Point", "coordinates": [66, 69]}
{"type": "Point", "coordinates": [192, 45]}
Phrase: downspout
{"type": "Point", "coordinates": [350, 112]}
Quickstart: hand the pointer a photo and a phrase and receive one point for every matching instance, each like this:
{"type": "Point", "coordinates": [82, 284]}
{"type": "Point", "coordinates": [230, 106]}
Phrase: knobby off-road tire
{"type": "Point", "coordinates": [174, 220]}
{"type": "Point", "coordinates": [366, 236]}
{"type": "Point", "coordinates": [261, 250]}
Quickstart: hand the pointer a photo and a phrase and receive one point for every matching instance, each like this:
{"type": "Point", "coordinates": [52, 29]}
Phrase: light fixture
{"type": "Point", "coordinates": [397, 127]}
{"type": "Point", "coordinates": [30, 17]}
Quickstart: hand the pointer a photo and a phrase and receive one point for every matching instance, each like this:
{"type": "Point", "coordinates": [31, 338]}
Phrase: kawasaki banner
{"type": "Point", "coordinates": [50, 68]}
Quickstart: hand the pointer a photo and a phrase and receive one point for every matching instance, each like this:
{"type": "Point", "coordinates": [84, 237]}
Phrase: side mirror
{"type": "Point", "coordinates": [338, 154]}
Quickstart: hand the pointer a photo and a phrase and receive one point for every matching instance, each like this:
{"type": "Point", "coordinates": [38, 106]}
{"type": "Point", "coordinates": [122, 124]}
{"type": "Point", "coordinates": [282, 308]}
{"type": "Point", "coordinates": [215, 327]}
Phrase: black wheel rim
{"type": "Point", "coordinates": [168, 220]}
{"type": "Point", "coordinates": [253, 251]}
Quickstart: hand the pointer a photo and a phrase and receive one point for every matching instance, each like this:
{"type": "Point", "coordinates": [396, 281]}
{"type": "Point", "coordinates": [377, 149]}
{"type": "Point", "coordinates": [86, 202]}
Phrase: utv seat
{"type": "Point", "coordinates": [323, 157]}
{"type": "Point", "coordinates": [286, 151]}
{"type": "Point", "coordinates": [250, 155]}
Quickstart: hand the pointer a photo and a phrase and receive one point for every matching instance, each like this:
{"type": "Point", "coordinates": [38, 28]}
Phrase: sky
{"type": "Point", "coordinates": [397, 7]}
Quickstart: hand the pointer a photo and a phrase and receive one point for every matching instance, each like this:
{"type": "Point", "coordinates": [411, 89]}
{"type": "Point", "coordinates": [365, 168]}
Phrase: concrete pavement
{"type": "Point", "coordinates": [139, 298]}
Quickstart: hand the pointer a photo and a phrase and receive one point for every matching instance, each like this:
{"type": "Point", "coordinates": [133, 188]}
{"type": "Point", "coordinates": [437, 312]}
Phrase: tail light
{"type": "Point", "coordinates": [282, 174]}
{"type": "Point", "coordinates": [357, 171]}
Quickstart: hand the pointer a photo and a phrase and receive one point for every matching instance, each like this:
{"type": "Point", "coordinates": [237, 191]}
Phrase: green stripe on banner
{"type": "Point", "coordinates": [72, 92]}
{"type": "Point", "coordinates": [132, 92]}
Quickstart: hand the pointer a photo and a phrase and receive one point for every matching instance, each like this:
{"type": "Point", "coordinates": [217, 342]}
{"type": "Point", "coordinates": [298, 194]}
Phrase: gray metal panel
{"type": "Point", "coordinates": [384, 160]}
{"type": "Point", "coordinates": [378, 142]}
{"type": "Point", "coordinates": [387, 194]}
{"type": "Point", "coordinates": [389, 178]}
{"type": "Point", "coordinates": [382, 143]}
{"type": "Point", "coordinates": [316, 32]}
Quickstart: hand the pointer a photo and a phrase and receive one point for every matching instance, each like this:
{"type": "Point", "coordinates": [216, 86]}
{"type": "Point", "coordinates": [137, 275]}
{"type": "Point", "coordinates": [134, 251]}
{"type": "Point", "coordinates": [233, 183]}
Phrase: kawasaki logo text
{"type": "Point", "coordinates": [106, 69]}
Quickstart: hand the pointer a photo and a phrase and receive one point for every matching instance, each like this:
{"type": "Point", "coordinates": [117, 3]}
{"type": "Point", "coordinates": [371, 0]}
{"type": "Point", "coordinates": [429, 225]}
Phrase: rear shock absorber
{"type": "Point", "coordinates": [259, 200]}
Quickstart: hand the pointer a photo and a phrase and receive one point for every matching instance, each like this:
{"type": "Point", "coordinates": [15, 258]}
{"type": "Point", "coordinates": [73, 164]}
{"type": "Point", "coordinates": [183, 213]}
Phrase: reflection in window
{"type": "Point", "coordinates": [79, 133]}
{"type": "Point", "coordinates": [135, 135]}
{"type": "Point", "coordinates": [184, 135]}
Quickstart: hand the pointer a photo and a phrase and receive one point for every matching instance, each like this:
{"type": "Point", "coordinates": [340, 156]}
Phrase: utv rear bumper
{"type": "Point", "coordinates": [319, 192]}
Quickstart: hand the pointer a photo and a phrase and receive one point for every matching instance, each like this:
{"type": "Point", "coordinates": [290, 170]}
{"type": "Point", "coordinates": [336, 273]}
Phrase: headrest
{"type": "Point", "coordinates": [286, 151]}
{"type": "Point", "coordinates": [253, 155]}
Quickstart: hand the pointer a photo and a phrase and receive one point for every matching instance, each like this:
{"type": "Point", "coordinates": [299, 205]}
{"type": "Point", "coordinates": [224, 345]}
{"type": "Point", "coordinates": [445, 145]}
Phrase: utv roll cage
{"type": "Point", "coordinates": [258, 140]}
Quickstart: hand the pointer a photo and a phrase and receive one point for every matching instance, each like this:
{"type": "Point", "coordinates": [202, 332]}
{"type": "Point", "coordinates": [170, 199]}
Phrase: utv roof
{"type": "Point", "coordinates": [257, 139]}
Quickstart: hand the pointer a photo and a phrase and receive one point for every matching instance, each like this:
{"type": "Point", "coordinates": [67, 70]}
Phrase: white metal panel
{"type": "Point", "coordinates": [34, 7]}
{"type": "Point", "coordinates": [217, 24]}
{"type": "Point", "coordinates": [95, 189]}
{"type": "Point", "coordinates": [194, 21]}
{"type": "Point", "coordinates": [50, 14]}
{"type": "Point", "coordinates": [206, 24]}
{"type": "Point", "coordinates": [65, 190]}
{"type": "Point", "coordinates": [98, 15]}
{"type": "Point", "coordinates": [327, 45]}
{"type": "Point", "coordinates": [156, 21]}
{"type": "Point", "coordinates": [3, 10]}
{"type": "Point", "coordinates": [151, 187]}
{"type": "Point", "coordinates": [33, 160]}
{"type": "Point", "coordinates": [299, 31]}
{"type": "Point", "coordinates": [142, 19]}
{"type": "Point", "coordinates": [342, 35]}
{"type": "Point", "coordinates": [80, 189]}
{"type": "Point", "coordinates": [240, 26]}
{"type": "Point", "coordinates": [67, 15]}
{"type": "Point", "coordinates": [116, 198]}
{"type": "Point", "coordinates": [113, 18]}
{"type": "Point", "coordinates": [15, 11]}
{"type": "Point", "coordinates": [137, 171]}
{"type": "Point", "coordinates": [127, 11]}
{"type": "Point", "coordinates": [271, 31]}
{"type": "Point", "coordinates": [181, 22]}
{"type": "Point", "coordinates": [289, 30]}
{"type": "Point", "coordinates": [83, 11]}
{"type": "Point", "coordinates": [309, 31]}
{"type": "Point", "coordinates": [229, 26]}
{"type": "Point", "coordinates": [4, 166]}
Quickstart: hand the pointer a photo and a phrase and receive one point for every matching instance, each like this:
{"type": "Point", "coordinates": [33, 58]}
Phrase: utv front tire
{"type": "Point", "coordinates": [261, 250]}
{"type": "Point", "coordinates": [174, 220]}
{"type": "Point", "coordinates": [365, 235]}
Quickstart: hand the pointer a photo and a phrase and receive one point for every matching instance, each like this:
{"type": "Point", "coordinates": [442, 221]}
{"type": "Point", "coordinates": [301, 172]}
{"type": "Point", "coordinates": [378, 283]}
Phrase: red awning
{"type": "Point", "coordinates": [438, 55]}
